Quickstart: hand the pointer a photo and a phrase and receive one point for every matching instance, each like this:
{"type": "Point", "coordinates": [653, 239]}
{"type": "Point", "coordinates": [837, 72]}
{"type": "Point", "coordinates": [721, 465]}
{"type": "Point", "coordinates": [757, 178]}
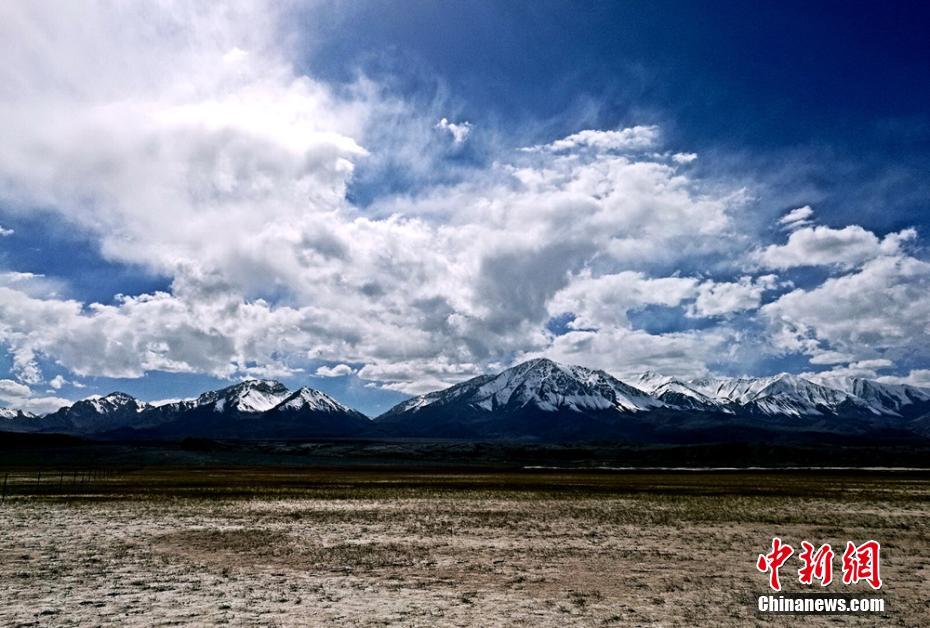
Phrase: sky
{"type": "Point", "coordinates": [378, 200]}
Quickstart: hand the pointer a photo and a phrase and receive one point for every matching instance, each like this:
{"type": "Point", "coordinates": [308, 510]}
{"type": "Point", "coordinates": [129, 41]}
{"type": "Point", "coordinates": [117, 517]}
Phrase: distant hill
{"type": "Point", "coordinates": [253, 409]}
{"type": "Point", "coordinates": [544, 400]}
{"type": "Point", "coordinates": [539, 400]}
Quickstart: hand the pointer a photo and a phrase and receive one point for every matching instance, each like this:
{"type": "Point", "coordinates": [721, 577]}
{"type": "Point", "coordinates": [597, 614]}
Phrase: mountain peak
{"type": "Point", "coordinates": [537, 364]}
{"type": "Point", "coordinates": [258, 384]}
{"type": "Point", "coordinates": [310, 399]}
{"type": "Point", "coordinates": [110, 403]}
{"type": "Point", "coordinates": [249, 396]}
{"type": "Point", "coordinates": [119, 397]}
{"type": "Point", "coordinates": [13, 413]}
{"type": "Point", "coordinates": [539, 383]}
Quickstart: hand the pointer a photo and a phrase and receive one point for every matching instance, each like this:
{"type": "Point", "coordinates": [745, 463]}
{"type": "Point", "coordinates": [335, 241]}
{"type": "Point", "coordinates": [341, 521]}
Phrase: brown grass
{"type": "Point", "coordinates": [375, 547]}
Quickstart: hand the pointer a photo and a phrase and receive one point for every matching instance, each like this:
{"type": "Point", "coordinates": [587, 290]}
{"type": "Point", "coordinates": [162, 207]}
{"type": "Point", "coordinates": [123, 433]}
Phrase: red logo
{"type": "Point", "coordinates": [817, 565]}
{"type": "Point", "coordinates": [773, 561]}
{"type": "Point", "coordinates": [860, 562]}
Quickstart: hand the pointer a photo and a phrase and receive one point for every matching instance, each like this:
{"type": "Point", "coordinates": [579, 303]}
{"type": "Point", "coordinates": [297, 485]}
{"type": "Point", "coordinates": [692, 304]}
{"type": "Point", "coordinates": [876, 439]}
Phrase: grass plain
{"type": "Point", "coordinates": [441, 547]}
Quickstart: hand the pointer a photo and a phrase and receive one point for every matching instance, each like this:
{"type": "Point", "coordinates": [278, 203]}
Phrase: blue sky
{"type": "Point", "coordinates": [193, 195]}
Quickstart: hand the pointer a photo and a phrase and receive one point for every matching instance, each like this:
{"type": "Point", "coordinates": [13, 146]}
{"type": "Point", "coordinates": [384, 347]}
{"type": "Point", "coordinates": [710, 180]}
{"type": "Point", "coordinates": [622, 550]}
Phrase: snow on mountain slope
{"type": "Point", "coordinates": [441, 397]}
{"type": "Point", "coordinates": [248, 397]}
{"type": "Point", "coordinates": [13, 420]}
{"type": "Point", "coordinates": [731, 390]}
{"type": "Point", "coordinates": [311, 400]}
{"type": "Point", "coordinates": [11, 414]}
{"type": "Point", "coordinates": [551, 386]}
{"type": "Point", "coordinates": [782, 394]}
{"type": "Point", "coordinates": [97, 414]}
{"type": "Point", "coordinates": [114, 402]}
{"type": "Point", "coordinates": [674, 393]}
{"type": "Point", "coordinates": [543, 384]}
{"type": "Point", "coordinates": [795, 396]}
{"type": "Point", "coordinates": [883, 399]}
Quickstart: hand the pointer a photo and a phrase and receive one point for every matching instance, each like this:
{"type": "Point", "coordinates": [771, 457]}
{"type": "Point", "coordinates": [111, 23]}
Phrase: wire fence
{"type": "Point", "coordinates": [55, 482]}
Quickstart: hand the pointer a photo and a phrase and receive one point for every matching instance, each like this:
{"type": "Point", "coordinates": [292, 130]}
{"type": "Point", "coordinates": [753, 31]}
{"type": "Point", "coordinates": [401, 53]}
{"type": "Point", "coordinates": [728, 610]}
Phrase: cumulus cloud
{"type": "Point", "coordinates": [159, 127]}
{"type": "Point", "coordinates": [632, 138]}
{"type": "Point", "coordinates": [626, 352]}
{"type": "Point", "coordinates": [458, 130]}
{"type": "Point", "coordinates": [19, 396]}
{"type": "Point", "coordinates": [848, 247]}
{"type": "Point", "coordinates": [604, 301]}
{"type": "Point", "coordinates": [181, 139]}
{"type": "Point", "coordinates": [10, 389]}
{"type": "Point", "coordinates": [5, 232]}
{"type": "Point", "coordinates": [719, 298]}
{"type": "Point", "coordinates": [831, 357]}
{"type": "Point", "coordinates": [797, 218]}
{"type": "Point", "coordinates": [340, 370]}
{"type": "Point", "coordinates": [916, 377]}
{"type": "Point", "coordinates": [881, 309]}
{"type": "Point", "coordinates": [874, 364]}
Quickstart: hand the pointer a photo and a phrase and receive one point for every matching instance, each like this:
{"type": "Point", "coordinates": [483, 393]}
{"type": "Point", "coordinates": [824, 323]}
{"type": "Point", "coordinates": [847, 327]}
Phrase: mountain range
{"type": "Point", "coordinates": [248, 410]}
{"type": "Point", "coordinates": [535, 400]}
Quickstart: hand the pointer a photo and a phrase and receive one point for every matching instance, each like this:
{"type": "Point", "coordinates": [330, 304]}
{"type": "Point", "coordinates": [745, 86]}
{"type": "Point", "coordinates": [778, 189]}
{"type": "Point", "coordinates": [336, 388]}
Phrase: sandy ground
{"type": "Point", "coordinates": [372, 550]}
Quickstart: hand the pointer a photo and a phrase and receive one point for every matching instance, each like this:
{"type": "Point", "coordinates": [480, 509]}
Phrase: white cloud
{"type": "Point", "coordinates": [181, 139]}
{"type": "Point", "coordinates": [218, 165]}
{"type": "Point", "coordinates": [603, 302]}
{"type": "Point", "coordinates": [57, 382]}
{"type": "Point", "coordinates": [10, 389]}
{"type": "Point", "coordinates": [625, 352]}
{"type": "Point", "coordinates": [19, 396]}
{"type": "Point", "coordinates": [458, 130]}
{"type": "Point", "coordinates": [831, 357]}
{"type": "Point", "coordinates": [875, 364]}
{"type": "Point", "coordinates": [848, 247]}
{"type": "Point", "coordinates": [4, 232]}
{"type": "Point", "coordinates": [415, 377]}
{"type": "Point", "coordinates": [881, 309]}
{"type": "Point", "coordinates": [719, 298]}
{"type": "Point", "coordinates": [629, 139]}
{"type": "Point", "coordinates": [917, 377]}
{"type": "Point", "coordinates": [43, 405]}
{"type": "Point", "coordinates": [797, 218]}
{"type": "Point", "coordinates": [340, 370]}
{"type": "Point", "coordinates": [158, 144]}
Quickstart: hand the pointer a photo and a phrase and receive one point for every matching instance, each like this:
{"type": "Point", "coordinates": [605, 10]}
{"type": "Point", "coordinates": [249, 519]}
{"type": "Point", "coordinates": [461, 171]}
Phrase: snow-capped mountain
{"type": "Point", "coordinates": [259, 409]}
{"type": "Point", "coordinates": [531, 398]}
{"type": "Point", "coordinates": [9, 414]}
{"type": "Point", "coordinates": [250, 409]}
{"type": "Point", "coordinates": [96, 414]}
{"type": "Point", "coordinates": [249, 397]}
{"type": "Point", "coordinates": [542, 384]}
{"type": "Point", "coordinates": [13, 420]}
{"type": "Point", "coordinates": [311, 412]}
{"type": "Point", "coordinates": [782, 394]}
{"type": "Point", "coordinates": [309, 399]}
{"type": "Point", "coordinates": [675, 393]}
{"type": "Point", "coordinates": [541, 398]}
{"type": "Point", "coordinates": [881, 398]}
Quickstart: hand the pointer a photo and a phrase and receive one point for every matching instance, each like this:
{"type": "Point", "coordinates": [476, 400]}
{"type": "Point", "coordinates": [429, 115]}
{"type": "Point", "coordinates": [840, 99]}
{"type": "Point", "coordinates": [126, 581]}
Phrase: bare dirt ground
{"type": "Point", "coordinates": [378, 548]}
